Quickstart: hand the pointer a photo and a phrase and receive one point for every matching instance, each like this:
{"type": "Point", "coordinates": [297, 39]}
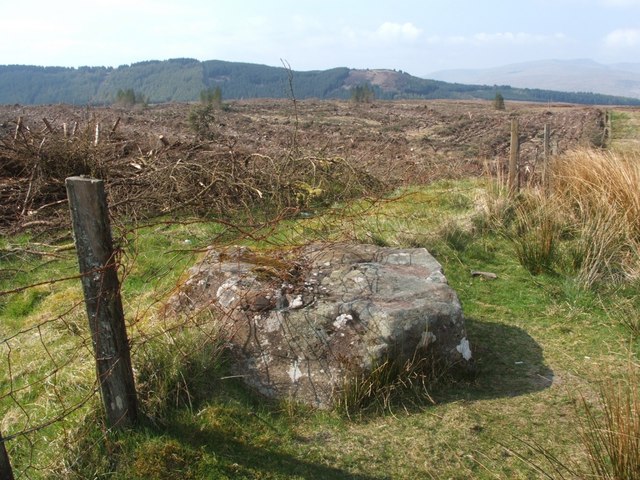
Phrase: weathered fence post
{"type": "Point", "coordinates": [607, 128]}
{"type": "Point", "coordinates": [6, 473]}
{"type": "Point", "coordinates": [514, 177]}
{"type": "Point", "coordinates": [18, 128]}
{"type": "Point", "coordinates": [94, 245]}
{"type": "Point", "coordinates": [546, 168]}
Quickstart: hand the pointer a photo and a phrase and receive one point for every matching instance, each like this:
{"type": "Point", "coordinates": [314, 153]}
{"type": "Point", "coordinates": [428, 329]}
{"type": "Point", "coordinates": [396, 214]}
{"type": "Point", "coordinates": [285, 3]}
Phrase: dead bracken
{"type": "Point", "coordinates": [258, 154]}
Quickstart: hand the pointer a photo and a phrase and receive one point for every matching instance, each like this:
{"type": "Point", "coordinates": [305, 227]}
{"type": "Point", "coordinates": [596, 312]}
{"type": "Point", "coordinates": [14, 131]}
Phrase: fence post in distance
{"type": "Point", "coordinates": [514, 180]}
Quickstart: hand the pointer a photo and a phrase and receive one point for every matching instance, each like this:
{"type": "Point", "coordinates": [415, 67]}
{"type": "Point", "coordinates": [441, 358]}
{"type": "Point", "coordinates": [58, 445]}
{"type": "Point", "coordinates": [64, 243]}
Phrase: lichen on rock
{"type": "Point", "coordinates": [326, 311]}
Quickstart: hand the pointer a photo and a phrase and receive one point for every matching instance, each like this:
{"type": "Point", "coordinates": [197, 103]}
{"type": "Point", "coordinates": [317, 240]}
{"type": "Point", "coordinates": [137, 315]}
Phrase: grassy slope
{"type": "Point", "coordinates": [539, 342]}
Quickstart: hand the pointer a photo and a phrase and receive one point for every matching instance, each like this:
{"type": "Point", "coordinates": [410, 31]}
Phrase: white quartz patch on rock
{"type": "Point", "coordinates": [342, 320]}
{"type": "Point", "coordinates": [464, 349]}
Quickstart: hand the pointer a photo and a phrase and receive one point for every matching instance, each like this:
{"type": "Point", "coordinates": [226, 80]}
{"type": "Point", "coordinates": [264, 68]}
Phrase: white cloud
{"type": "Point", "coordinates": [398, 31]}
{"type": "Point", "coordinates": [623, 37]}
{"type": "Point", "coordinates": [518, 38]}
{"type": "Point", "coordinates": [504, 38]}
{"type": "Point", "coordinates": [450, 40]}
{"type": "Point", "coordinates": [386, 33]}
{"type": "Point", "coordinates": [17, 27]}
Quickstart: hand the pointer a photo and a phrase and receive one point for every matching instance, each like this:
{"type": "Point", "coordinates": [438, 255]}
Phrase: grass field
{"type": "Point", "coordinates": [544, 345]}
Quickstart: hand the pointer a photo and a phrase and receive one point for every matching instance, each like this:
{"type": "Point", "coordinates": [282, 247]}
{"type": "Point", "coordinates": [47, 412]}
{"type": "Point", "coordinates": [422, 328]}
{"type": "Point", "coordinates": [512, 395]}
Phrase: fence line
{"type": "Point", "coordinates": [62, 359]}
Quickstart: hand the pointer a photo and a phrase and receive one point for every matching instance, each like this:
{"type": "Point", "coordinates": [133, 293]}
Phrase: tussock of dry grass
{"type": "Point", "coordinates": [612, 437]}
{"type": "Point", "coordinates": [592, 179]}
{"type": "Point", "coordinates": [588, 225]}
{"type": "Point", "coordinates": [392, 380]}
{"type": "Point", "coordinates": [538, 229]}
{"type": "Point", "coordinates": [600, 191]}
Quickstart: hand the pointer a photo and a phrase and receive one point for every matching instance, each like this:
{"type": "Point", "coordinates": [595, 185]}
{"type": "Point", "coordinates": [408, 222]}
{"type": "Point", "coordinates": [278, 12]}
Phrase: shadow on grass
{"type": "Point", "coordinates": [509, 362]}
{"type": "Point", "coordinates": [248, 459]}
{"type": "Point", "coordinates": [237, 434]}
{"type": "Point", "coordinates": [250, 439]}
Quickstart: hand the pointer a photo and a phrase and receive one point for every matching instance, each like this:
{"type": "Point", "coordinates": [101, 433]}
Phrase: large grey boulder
{"type": "Point", "coordinates": [301, 323]}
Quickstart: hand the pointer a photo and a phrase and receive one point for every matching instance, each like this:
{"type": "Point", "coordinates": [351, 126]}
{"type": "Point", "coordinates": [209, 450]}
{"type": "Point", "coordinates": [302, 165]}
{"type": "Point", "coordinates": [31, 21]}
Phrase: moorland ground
{"type": "Point", "coordinates": [543, 342]}
{"type": "Point", "coordinates": [412, 142]}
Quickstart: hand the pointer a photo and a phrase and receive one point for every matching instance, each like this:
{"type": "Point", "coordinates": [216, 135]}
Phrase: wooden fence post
{"type": "Point", "coordinates": [608, 134]}
{"type": "Point", "coordinates": [546, 169]}
{"type": "Point", "coordinates": [514, 177]}
{"type": "Point", "coordinates": [6, 473]}
{"type": "Point", "coordinates": [18, 128]}
{"type": "Point", "coordinates": [94, 245]}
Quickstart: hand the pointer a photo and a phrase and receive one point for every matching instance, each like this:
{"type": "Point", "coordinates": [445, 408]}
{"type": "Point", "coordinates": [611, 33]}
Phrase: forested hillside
{"type": "Point", "coordinates": [182, 80]}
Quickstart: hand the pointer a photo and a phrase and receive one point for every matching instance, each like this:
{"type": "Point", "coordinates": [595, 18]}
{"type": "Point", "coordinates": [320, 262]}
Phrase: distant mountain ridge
{"type": "Point", "coordinates": [183, 79]}
{"type": "Point", "coordinates": [622, 79]}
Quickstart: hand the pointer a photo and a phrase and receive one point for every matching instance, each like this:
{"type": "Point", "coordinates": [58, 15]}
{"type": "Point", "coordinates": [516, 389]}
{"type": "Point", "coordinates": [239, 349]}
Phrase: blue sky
{"type": "Point", "coordinates": [415, 36]}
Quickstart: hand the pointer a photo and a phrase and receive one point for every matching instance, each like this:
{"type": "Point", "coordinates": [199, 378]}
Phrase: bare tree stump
{"type": "Point", "coordinates": [48, 125]}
